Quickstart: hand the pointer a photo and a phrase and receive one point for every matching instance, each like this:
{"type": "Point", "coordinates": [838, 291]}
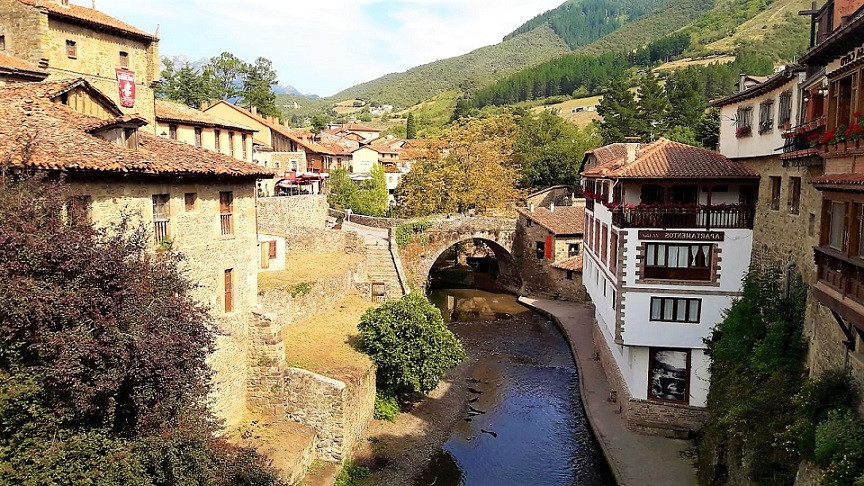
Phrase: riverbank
{"type": "Point", "coordinates": [635, 459]}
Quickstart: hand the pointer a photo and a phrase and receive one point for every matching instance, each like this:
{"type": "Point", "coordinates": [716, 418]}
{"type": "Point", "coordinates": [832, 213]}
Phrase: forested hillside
{"type": "Point", "coordinates": [476, 68]}
{"type": "Point", "coordinates": [580, 22]}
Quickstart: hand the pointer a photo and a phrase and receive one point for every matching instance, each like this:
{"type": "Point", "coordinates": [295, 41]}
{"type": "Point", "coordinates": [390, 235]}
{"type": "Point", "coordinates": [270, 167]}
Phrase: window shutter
{"type": "Point", "coordinates": [548, 253]}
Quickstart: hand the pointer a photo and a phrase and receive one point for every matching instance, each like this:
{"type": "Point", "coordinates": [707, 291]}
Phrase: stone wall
{"type": "Point", "coordinates": [644, 416]}
{"type": "Point", "coordinates": [277, 214]}
{"type": "Point", "coordinates": [538, 275]}
{"type": "Point", "coordinates": [558, 195]}
{"type": "Point", "coordinates": [370, 221]}
{"type": "Point", "coordinates": [311, 240]}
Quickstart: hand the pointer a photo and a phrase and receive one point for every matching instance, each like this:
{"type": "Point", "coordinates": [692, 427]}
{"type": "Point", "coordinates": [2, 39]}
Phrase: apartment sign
{"type": "Point", "coordinates": [853, 56]}
{"type": "Point", "coordinates": [682, 235]}
{"type": "Point", "coordinates": [126, 87]}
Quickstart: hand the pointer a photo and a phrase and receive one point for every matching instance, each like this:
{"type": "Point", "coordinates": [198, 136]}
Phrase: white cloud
{"type": "Point", "coordinates": [327, 45]}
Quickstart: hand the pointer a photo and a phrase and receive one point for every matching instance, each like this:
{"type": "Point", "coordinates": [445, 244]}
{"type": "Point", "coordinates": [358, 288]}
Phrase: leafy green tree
{"type": "Point", "coordinates": [342, 189]}
{"type": "Point", "coordinates": [409, 343]}
{"type": "Point", "coordinates": [258, 79]}
{"type": "Point", "coordinates": [620, 113]}
{"type": "Point", "coordinates": [227, 71]}
{"type": "Point", "coordinates": [410, 127]}
{"type": "Point", "coordinates": [682, 135]}
{"type": "Point", "coordinates": [184, 85]}
{"type": "Point", "coordinates": [708, 129]}
{"type": "Point", "coordinates": [372, 197]}
{"type": "Point", "coordinates": [687, 99]}
{"type": "Point", "coordinates": [103, 373]}
{"type": "Point", "coordinates": [550, 149]}
{"type": "Point", "coordinates": [653, 107]}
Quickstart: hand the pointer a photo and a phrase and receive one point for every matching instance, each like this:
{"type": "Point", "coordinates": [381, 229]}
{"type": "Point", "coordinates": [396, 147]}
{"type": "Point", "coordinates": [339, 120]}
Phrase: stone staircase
{"type": "Point", "coordinates": [381, 268]}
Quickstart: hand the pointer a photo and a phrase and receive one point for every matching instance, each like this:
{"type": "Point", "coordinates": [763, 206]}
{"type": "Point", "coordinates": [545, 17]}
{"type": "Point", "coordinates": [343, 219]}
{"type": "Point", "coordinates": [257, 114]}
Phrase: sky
{"type": "Point", "coordinates": [324, 46]}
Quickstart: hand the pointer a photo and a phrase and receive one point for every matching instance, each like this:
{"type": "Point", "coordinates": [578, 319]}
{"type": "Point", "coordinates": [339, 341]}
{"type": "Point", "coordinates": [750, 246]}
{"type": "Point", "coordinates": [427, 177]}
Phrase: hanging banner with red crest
{"type": "Point", "coordinates": [126, 86]}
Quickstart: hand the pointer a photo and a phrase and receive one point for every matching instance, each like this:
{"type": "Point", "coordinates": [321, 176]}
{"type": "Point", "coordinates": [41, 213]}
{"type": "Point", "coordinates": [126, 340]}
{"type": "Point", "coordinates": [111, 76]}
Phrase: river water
{"type": "Point", "coordinates": [524, 424]}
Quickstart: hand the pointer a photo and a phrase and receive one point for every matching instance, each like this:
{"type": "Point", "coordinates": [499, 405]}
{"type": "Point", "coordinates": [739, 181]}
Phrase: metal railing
{"type": "Point", "coordinates": [227, 223]}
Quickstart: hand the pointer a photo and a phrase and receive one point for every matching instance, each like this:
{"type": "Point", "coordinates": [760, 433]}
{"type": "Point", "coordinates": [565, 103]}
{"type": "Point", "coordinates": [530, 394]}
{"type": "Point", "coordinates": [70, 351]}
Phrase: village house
{"type": "Point", "coordinates": [188, 125]}
{"type": "Point", "coordinates": [550, 246]}
{"type": "Point", "coordinates": [14, 70]}
{"type": "Point", "coordinates": [198, 202]}
{"type": "Point", "coordinates": [668, 235]}
{"type": "Point", "coordinates": [352, 131]}
{"type": "Point", "coordinates": [763, 128]}
{"type": "Point", "coordinates": [67, 40]}
{"type": "Point", "coordinates": [835, 314]}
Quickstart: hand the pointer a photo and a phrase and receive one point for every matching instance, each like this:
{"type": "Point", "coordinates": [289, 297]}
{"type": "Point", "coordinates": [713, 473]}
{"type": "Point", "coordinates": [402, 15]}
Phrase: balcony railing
{"type": "Point", "coordinates": [842, 273]}
{"type": "Point", "coordinates": [227, 224]}
{"type": "Point", "coordinates": [729, 217]}
{"type": "Point", "coordinates": [160, 230]}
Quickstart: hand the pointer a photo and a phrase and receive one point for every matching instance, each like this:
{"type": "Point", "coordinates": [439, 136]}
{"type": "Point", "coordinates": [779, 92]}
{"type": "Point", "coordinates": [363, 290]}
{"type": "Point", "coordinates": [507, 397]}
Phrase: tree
{"type": "Point", "coordinates": [686, 98]}
{"type": "Point", "coordinates": [620, 113]}
{"type": "Point", "coordinates": [342, 189]}
{"type": "Point", "coordinates": [410, 127]}
{"type": "Point", "coordinates": [227, 72]}
{"type": "Point", "coordinates": [103, 374]}
{"type": "Point", "coordinates": [653, 107]}
{"type": "Point", "coordinates": [372, 197]}
{"type": "Point", "coordinates": [409, 343]}
{"type": "Point", "coordinates": [184, 85]}
{"type": "Point", "coordinates": [258, 79]}
{"type": "Point", "coordinates": [708, 129]}
{"type": "Point", "coordinates": [550, 150]}
{"type": "Point", "coordinates": [471, 168]}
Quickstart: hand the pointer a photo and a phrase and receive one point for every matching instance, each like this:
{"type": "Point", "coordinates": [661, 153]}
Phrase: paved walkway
{"type": "Point", "coordinates": [373, 236]}
{"type": "Point", "coordinates": [635, 459]}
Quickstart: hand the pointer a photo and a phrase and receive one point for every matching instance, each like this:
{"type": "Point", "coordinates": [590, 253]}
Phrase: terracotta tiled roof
{"type": "Point", "coordinates": [91, 17]}
{"type": "Point", "coordinates": [574, 264]}
{"type": "Point", "coordinates": [665, 159]}
{"type": "Point", "coordinates": [61, 140]}
{"type": "Point", "coordinates": [766, 85]}
{"type": "Point", "coordinates": [15, 64]}
{"type": "Point", "coordinates": [610, 153]}
{"type": "Point", "coordinates": [353, 127]}
{"type": "Point", "coordinates": [839, 179]}
{"type": "Point", "coordinates": [169, 111]}
{"type": "Point", "coordinates": [564, 220]}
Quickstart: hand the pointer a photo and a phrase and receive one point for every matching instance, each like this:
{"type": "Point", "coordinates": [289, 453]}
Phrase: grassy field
{"type": "Point", "coordinates": [687, 61]}
{"type": "Point", "coordinates": [305, 268]}
{"type": "Point", "coordinates": [582, 118]}
{"type": "Point", "coordinates": [779, 23]}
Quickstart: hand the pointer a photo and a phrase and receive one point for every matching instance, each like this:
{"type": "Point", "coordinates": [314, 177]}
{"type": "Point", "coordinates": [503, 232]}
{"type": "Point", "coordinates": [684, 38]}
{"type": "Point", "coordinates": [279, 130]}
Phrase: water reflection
{"type": "Point", "coordinates": [524, 421]}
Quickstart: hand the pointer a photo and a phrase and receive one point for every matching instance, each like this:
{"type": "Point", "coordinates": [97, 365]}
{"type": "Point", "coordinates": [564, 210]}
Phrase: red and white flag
{"type": "Point", "coordinates": [126, 86]}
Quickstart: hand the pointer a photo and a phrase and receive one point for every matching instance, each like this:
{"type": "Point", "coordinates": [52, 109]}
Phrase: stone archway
{"type": "Point", "coordinates": [507, 273]}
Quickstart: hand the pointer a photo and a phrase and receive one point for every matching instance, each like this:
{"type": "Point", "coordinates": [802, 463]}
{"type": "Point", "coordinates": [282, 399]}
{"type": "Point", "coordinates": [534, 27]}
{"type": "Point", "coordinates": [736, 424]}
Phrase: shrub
{"type": "Point", "coordinates": [409, 343]}
{"type": "Point", "coordinates": [301, 289]}
{"type": "Point", "coordinates": [404, 232]}
{"type": "Point", "coordinates": [351, 474]}
{"type": "Point", "coordinates": [386, 407]}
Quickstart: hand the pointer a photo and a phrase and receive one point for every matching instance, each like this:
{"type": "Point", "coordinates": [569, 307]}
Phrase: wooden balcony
{"type": "Point", "coordinates": [841, 284]}
{"type": "Point", "coordinates": [708, 217]}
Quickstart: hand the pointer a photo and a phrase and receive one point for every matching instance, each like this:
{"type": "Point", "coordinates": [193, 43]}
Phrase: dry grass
{"type": "Point", "coordinates": [687, 61]}
{"type": "Point", "coordinates": [306, 268]}
{"type": "Point", "coordinates": [581, 119]}
{"type": "Point", "coordinates": [325, 343]}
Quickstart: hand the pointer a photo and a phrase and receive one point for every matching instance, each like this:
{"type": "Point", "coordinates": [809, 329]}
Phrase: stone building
{"type": "Point", "coordinates": [786, 202]}
{"type": "Point", "coordinates": [835, 316]}
{"type": "Point", "coordinates": [14, 70]}
{"type": "Point", "coordinates": [200, 203]}
{"type": "Point", "coordinates": [549, 249]}
{"type": "Point", "coordinates": [194, 127]}
{"type": "Point", "coordinates": [68, 40]}
{"type": "Point", "coordinates": [668, 234]}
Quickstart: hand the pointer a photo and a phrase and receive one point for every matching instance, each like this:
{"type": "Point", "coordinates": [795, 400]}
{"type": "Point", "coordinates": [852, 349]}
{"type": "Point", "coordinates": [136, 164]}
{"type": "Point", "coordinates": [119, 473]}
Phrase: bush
{"type": "Point", "coordinates": [351, 474]}
{"type": "Point", "coordinates": [386, 407]}
{"type": "Point", "coordinates": [410, 344]}
{"type": "Point", "coordinates": [404, 232]}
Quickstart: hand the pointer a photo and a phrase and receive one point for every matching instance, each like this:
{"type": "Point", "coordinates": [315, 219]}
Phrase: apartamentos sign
{"type": "Point", "coordinates": [682, 235]}
{"type": "Point", "coordinates": [854, 55]}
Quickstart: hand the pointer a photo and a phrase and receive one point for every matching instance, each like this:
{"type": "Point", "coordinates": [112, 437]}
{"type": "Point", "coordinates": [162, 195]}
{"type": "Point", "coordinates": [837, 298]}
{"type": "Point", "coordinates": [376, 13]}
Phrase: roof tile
{"type": "Point", "coordinates": [89, 16]}
{"type": "Point", "coordinates": [564, 220]}
{"type": "Point", "coordinates": [169, 111]}
{"type": "Point", "coordinates": [574, 264]}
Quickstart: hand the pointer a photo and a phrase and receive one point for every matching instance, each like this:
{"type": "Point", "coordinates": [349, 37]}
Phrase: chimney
{"type": "Point", "coordinates": [253, 109]}
{"type": "Point", "coordinates": [632, 151]}
{"type": "Point", "coordinates": [579, 202]}
{"type": "Point", "coordinates": [204, 105]}
{"type": "Point", "coordinates": [552, 207]}
{"type": "Point", "coordinates": [741, 78]}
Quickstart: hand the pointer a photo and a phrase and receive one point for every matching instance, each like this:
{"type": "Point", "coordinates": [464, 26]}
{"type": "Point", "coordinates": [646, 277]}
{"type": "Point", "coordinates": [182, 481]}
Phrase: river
{"type": "Point", "coordinates": [524, 423]}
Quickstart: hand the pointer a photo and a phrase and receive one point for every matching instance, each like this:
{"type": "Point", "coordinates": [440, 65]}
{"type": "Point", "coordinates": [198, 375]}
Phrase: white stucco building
{"type": "Point", "coordinates": [668, 235]}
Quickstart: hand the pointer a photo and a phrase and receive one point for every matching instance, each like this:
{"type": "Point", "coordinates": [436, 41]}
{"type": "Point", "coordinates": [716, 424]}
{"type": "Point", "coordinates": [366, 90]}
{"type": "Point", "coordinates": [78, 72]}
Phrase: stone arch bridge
{"type": "Point", "coordinates": [423, 251]}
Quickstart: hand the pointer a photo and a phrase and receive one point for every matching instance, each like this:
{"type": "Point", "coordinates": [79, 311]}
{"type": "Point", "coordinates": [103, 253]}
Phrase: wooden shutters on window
{"type": "Point", "coordinates": [547, 254]}
{"type": "Point", "coordinates": [229, 290]}
{"type": "Point", "coordinates": [226, 210]}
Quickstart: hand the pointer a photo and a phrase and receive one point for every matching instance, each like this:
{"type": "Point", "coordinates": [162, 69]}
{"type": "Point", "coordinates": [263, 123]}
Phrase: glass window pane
{"type": "Point", "coordinates": [838, 216]}
{"type": "Point", "coordinates": [693, 310]}
{"type": "Point", "coordinates": [673, 256]}
{"type": "Point", "coordinates": [655, 309]}
{"type": "Point", "coordinates": [668, 308]}
{"type": "Point", "coordinates": [652, 253]}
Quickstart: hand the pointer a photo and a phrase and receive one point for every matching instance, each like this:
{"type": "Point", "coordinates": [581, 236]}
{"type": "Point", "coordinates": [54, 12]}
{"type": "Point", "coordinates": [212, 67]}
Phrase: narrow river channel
{"type": "Point", "coordinates": [524, 423]}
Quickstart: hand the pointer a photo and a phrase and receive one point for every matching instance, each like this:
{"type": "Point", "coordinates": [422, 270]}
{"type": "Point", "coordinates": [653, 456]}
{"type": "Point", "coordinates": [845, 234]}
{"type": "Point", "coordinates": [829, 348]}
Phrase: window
{"type": "Point", "coordinates": [130, 136]}
{"type": "Point", "coordinates": [569, 274]}
{"type": "Point", "coordinates": [775, 193]}
{"type": "Point", "coordinates": [540, 250]}
{"type": "Point", "coordinates": [604, 244]}
{"type": "Point", "coordinates": [766, 110]}
{"type": "Point", "coordinates": [243, 146]}
{"type": "Point", "coordinates": [294, 165]}
{"type": "Point", "coordinates": [229, 290]}
{"type": "Point", "coordinates": [613, 252]}
{"type": "Point", "coordinates": [271, 250]}
{"type": "Point", "coordinates": [678, 261]}
{"type": "Point", "coordinates": [744, 121]}
{"type": "Point", "coordinates": [123, 60]}
{"type": "Point", "coordinates": [2, 42]}
{"type": "Point", "coordinates": [675, 310]}
{"type": "Point", "coordinates": [669, 374]}
{"type": "Point", "coordinates": [161, 217]}
{"type": "Point", "coordinates": [191, 200]}
{"type": "Point", "coordinates": [231, 144]}
{"type": "Point", "coordinates": [217, 142]}
{"type": "Point", "coordinates": [784, 110]}
{"type": "Point", "coordinates": [71, 49]}
{"type": "Point", "coordinates": [198, 137]}
{"type": "Point", "coordinates": [572, 250]}
{"type": "Point", "coordinates": [78, 210]}
{"type": "Point", "coordinates": [837, 226]}
{"type": "Point", "coordinates": [842, 102]}
{"type": "Point", "coordinates": [172, 132]}
{"type": "Point", "coordinates": [226, 209]}
{"type": "Point", "coordinates": [529, 222]}
{"type": "Point", "coordinates": [794, 196]}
